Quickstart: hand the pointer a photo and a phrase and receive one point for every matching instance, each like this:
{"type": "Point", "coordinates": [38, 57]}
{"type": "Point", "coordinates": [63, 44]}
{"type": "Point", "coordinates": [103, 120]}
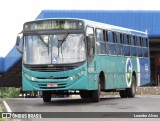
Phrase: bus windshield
{"type": "Point", "coordinates": [54, 49]}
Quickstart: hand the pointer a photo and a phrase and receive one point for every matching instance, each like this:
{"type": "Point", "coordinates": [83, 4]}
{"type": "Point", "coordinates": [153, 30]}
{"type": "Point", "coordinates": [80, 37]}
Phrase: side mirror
{"type": "Point", "coordinates": [18, 40]}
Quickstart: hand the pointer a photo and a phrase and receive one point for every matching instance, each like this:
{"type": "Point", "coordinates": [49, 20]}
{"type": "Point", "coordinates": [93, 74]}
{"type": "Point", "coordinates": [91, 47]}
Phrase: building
{"type": "Point", "coordinates": [139, 20]}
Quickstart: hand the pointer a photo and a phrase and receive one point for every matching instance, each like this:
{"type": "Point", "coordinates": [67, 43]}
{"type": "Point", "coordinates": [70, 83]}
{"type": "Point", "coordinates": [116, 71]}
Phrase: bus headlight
{"type": "Point", "coordinates": [71, 78]}
{"type": "Point", "coordinates": [29, 77]}
{"type": "Point", "coordinates": [33, 79]}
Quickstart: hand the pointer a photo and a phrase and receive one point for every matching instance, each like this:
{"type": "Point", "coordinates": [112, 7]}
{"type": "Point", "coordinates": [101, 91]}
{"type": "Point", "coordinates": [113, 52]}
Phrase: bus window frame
{"type": "Point", "coordinates": [128, 44]}
{"type": "Point", "coordinates": [133, 44]}
{"type": "Point", "coordinates": [121, 43]}
{"type": "Point", "coordinates": [104, 40]}
{"type": "Point", "coordinates": [114, 42]}
{"type": "Point", "coordinates": [145, 47]}
{"type": "Point", "coordinates": [139, 46]}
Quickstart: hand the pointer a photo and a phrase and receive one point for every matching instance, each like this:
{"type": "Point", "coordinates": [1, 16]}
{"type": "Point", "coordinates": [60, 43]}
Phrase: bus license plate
{"type": "Point", "coordinates": [52, 85]}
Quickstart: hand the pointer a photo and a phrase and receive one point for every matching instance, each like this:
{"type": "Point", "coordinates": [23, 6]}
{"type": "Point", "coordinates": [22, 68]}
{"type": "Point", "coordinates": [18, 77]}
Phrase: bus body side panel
{"type": "Point", "coordinates": [144, 71]}
{"type": "Point", "coordinates": [114, 70]}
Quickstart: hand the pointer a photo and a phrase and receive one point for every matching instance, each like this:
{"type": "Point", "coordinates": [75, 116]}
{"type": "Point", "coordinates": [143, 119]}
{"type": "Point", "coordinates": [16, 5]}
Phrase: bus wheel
{"type": "Point", "coordinates": [84, 94]}
{"type": "Point", "coordinates": [123, 93]}
{"type": "Point", "coordinates": [132, 91]}
{"type": "Point", "coordinates": [95, 94]}
{"type": "Point", "coordinates": [46, 96]}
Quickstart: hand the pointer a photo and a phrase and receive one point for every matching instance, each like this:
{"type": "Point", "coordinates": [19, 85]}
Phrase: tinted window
{"type": "Point", "coordinates": [145, 42]}
{"type": "Point", "coordinates": [118, 37]}
{"type": "Point", "coordinates": [125, 39]}
{"type": "Point", "coordinates": [119, 46]}
{"type": "Point", "coordinates": [100, 35]}
{"type": "Point", "coordinates": [101, 44]}
{"type": "Point", "coordinates": [145, 52]}
{"type": "Point", "coordinates": [127, 50]}
{"type": "Point", "coordinates": [110, 36]}
{"type": "Point", "coordinates": [133, 51]}
{"type": "Point", "coordinates": [111, 49]}
{"type": "Point", "coordinates": [138, 41]}
{"type": "Point", "coordinates": [133, 40]}
{"type": "Point", "coordinates": [139, 52]}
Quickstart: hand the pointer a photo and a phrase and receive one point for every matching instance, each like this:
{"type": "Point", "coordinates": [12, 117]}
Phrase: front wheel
{"type": "Point", "coordinates": [95, 94]}
{"type": "Point", "coordinates": [46, 96]}
{"type": "Point", "coordinates": [84, 94]}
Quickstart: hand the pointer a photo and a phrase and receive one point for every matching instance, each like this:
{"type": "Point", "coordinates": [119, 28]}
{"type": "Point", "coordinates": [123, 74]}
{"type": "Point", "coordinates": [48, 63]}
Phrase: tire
{"type": "Point", "coordinates": [84, 94]}
{"type": "Point", "coordinates": [95, 94]}
{"type": "Point", "coordinates": [131, 92]}
{"type": "Point", "coordinates": [46, 96]}
{"type": "Point", "coordinates": [123, 93]}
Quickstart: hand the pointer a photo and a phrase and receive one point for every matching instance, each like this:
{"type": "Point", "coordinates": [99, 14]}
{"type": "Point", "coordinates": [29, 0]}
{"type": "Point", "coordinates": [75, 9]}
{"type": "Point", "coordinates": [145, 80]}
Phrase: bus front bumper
{"type": "Point", "coordinates": [77, 82]}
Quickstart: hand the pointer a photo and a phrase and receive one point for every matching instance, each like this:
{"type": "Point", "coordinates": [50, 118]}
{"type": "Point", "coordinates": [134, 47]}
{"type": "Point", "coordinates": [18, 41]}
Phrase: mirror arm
{"type": "Point", "coordinates": [20, 51]}
{"type": "Point", "coordinates": [17, 43]}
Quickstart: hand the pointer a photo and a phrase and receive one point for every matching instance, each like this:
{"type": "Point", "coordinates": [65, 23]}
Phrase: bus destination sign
{"type": "Point", "coordinates": [53, 24]}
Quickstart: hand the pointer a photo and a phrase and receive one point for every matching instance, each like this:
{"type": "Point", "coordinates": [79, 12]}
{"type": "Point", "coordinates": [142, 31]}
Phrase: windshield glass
{"type": "Point", "coordinates": [54, 49]}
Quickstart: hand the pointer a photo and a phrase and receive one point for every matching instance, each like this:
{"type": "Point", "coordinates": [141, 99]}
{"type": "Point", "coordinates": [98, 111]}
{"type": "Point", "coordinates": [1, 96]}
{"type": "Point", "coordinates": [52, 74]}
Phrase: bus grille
{"type": "Point", "coordinates": [54, 68]}
{"type": "Point", "coordinates": [50, 69]}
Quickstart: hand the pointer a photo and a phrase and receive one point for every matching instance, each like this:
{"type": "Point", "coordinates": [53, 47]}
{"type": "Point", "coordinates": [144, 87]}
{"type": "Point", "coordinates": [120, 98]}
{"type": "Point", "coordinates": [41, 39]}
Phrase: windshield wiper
{"type": "Point", "coordinates": [47, 45]}
{"type": "Point", "coordinates": [60, 42]}
{"type": "Point", "coordinates": [41, 38]}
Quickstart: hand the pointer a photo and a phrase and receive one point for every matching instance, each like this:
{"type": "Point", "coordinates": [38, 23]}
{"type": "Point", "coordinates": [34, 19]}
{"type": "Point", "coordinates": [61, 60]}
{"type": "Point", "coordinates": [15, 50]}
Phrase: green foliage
{"type": "Point", "coordinates": [9, 92]}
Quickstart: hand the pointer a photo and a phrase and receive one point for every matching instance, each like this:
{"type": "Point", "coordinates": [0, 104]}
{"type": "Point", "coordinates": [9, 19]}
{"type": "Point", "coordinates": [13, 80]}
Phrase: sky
{"type": "Point", "coordinates": [13, 13]}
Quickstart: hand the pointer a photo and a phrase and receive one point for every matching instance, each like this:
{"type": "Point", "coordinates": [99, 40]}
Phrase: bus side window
{"type": "Point", "coordinates": [110, 36]}
{"type": "Point", "coordinates": [139, 48]}
{"type": "Point", "coordinates": [145, 46]}
{"type": "Point", "coordinates": [119, 46]}
{"type": "Point", "coordinates": [111, 43]}
{"type": "Point", "coordinates": [126, 44]}
{"type": "Point", "coordinates": [101, 44]}
{"type": "Point", "coordinates": [133, 47]}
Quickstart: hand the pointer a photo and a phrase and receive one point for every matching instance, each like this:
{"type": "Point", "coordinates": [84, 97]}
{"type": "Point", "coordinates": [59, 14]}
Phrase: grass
{"type": "Point", "coordinates": [9, 92]}
{"type": "Point", "coordinates": [1, 110]}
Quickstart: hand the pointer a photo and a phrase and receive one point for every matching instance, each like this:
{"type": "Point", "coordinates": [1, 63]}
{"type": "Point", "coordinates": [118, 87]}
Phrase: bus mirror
{"type": "Point", "coordinates": [18, 40]}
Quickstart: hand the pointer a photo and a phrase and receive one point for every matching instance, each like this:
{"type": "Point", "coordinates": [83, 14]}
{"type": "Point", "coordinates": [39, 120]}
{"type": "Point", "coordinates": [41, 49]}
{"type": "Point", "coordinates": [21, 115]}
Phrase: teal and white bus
{"type": "Point", "coordinates": [67, 56]}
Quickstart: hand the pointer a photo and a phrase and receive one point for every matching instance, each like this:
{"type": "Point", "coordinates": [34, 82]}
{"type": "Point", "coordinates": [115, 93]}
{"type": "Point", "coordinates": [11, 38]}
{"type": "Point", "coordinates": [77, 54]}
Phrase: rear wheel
{"type": "Point", "coordinates": [123, 93]}
{"type": "Point", "coordinates": [95, 94]}
{"type": "Point", "coordinates": [131, 92]}
{"type": "Point", "coordinates": [46, 96]}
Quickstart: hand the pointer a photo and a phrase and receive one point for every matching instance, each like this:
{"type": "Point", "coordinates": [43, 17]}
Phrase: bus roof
{"type": "Point", "coordinates": [103, 26]}
{"type": "Point", "coordinates": [115, 28]}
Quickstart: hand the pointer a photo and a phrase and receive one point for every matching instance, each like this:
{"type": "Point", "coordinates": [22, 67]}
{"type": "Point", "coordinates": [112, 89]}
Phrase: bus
{"type": "Point", "coordinates": [78, 56]}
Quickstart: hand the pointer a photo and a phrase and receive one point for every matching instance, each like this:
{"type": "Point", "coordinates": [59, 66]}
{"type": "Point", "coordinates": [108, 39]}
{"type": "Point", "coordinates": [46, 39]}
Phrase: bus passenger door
{"type": "Point", "coordinates": [90, 57]}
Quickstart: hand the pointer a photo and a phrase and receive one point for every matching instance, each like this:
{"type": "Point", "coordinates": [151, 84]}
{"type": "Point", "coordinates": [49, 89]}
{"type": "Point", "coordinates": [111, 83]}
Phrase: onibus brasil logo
{"type": "Point", "coordinates": [128, 72]}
